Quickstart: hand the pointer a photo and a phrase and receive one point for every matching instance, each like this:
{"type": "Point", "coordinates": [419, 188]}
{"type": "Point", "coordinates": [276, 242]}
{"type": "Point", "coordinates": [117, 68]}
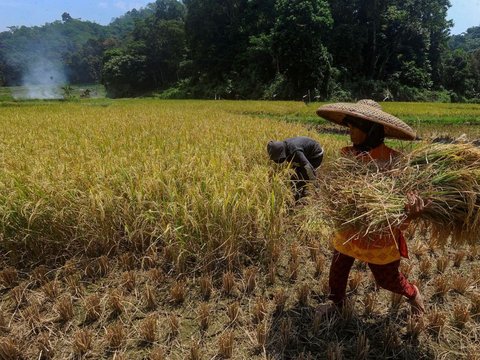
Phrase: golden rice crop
{"type": "Point", "coordinates": [95, 176]}
{"type": "Point", "coordinates": [372, 199]}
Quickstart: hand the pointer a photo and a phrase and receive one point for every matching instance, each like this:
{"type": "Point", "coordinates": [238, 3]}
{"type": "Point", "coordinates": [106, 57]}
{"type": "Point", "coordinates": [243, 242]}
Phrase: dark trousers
{"type": "Point", "coordinates": [300, 178]}
{"type": "Point", "coordinates": [387, 276]}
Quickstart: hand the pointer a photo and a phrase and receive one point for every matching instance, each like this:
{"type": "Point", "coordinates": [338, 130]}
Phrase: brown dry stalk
{"type": "Point", "coordinates": [181, 263]}
{"type": "Point", "coordinates": [9, 349]}
{"type": "Point", "coordinates": [303, 293]}
{"type": "Point", "coordinates": [370, 303]}
{"type": "Point", "coordinates": [348, 310]}
{"type": "Point", "coordinates": [93, 309]}
{"type": "Point", "coordinates": [9, 277]}
{"type": "Point", "coordinates": [64, 309]}
{"type": "Point", "coordinates": [271, 274]}
{"type": "Point", "coordinates": [259, 309]}
{"type": "Point", "coordinates": [69, 268]}
{"type": "Point", "coordinates": [51, 290]}
{"type": "Point", "coordinates": [475, 305]}
{"type": "Point", "coordinates": [39, 275]}
{"type": "Point", "coordinates": [362, 347]}
{"type": "Point", "coordinates": [157, 353]}
{"type": "Point", "coordinates": [461, 315]}
{"type": "Point", "coordinates": [115, 336]}
{"type": "Point", "coordinates": [174, 324]}
{"type": "Point", "coordinates": [314, 250]}
{"type": "Point", "coordinates": [150, 260]}
{"type": "Point", "coordinates": [286, 328]}
{"type": "Point", "coordinates": [458, 258]}
{"type": "Point", "coordinates": [391, 338]}
{"type": "Point", "coordinates": [317, 323]}
{"type": "Point", "coordinates": [156, 276]}
{"type": "Point", "coordinates": [424, 267]}
{"type": "Point", "coordinates": [115, 302]}
{"type": "Point", "coordinates": [195, 353]}
{"type": "Point", "coordinates": [127, 261]}
{"type": "Point", "coordinates": [460, 284]}
{"type": "Point", "coordinates": [473, 253]}
{"type": "Point", "coordinates": [280, 299]}
{"type": "Point", "coordinates": [334, 351]}
{"type": "Point", "coordinates": [4, 328]}
{"type": "Point", "coordinates": [415, 327]}
{"type": "Point", "coordinates": [177, 292]}
{"type": "Point", "coordinates": [355, 280]}
{"type": "Point", "coordinates": [19, 295]}
{"type": "Point", "coordinates": [319, 265]}
{"type": "Point", "coordinates": [436, 321]}
{"type": "Point", "coordinates": [225, 345]}
{"type": "Point", "coordinates": [294, 252]}
{"type": "Point", "coordinates": [204, 316]}
{"type": "Point", "coordinates": [45, 347]}
{"type": "Point", "coordinates": [206, 286]}
{"type": "Point", "coordinates": [82, 341]}
{"type": "Point", "coordinates": [250, 280]}
{"type": "Point", "coordinates": [150, 297]}
{"type": "Point", "coordinates": [228, 283]}
{"type": "Point", "coordinates": [293, 266]}
{"type": "Point", "coordinates": [325, 286]}
{"type": "Point", "coordinates": [148, 328]}
{"type": "Point", "coordinates": [396, 301]}
{"type": "Point", "coordinates": [233, 312]}
{"type": "Point", "coordinates": [441, 285]}
{"type": "Point", "coordinates": [32, 316]}
{"type": "Point", "coordinates": [261, 333]}
{"type": "Point", "coordinates": [74, 285]}
{"type": "Point", "coordinates": [442, 264]}
{"type": "Point", "coordinates": [129, 280]}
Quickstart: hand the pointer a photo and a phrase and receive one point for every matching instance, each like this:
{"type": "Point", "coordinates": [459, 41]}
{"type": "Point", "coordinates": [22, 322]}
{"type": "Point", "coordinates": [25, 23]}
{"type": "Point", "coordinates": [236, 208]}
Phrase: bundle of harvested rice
{"type": "Point", "coordinates": [372, 198]}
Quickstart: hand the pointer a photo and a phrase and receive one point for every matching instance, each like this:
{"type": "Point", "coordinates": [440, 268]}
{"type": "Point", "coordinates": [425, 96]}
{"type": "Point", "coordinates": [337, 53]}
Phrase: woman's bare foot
{"type": "Point", "coordinates": [418, 308]}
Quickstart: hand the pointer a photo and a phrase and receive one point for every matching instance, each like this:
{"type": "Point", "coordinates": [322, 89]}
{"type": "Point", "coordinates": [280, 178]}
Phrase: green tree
{"type": "Point", "coordinates": [123, 74]}
{"type": "Point", "coordinates": [298, 45]}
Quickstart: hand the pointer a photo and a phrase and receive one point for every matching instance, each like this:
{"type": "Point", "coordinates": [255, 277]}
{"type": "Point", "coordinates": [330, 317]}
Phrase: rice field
{"type": "Point", "coordinates": [146, 229]}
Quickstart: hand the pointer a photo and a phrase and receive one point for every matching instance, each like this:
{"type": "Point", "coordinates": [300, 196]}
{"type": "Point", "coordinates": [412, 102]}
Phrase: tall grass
{"type": "Point", "coordinates": [189, 175]}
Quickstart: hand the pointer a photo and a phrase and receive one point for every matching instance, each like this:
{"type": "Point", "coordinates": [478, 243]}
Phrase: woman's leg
{"type": "Point", "coordinates": [389, 277]}
{"type": "Point", "coordinates": [338, 278]}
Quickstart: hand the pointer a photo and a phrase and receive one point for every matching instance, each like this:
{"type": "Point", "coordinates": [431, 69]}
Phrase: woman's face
{"type": "Point", "coordinates": [356, 135]}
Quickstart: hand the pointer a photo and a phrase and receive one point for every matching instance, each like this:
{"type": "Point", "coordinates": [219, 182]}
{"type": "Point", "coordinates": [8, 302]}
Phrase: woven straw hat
{"type": "Point", "coordinates": [368, 110]}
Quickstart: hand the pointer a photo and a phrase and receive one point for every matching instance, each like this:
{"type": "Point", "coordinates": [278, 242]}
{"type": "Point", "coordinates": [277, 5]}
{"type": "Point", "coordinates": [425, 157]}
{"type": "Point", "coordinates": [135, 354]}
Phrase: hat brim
{"type": "Point", "coordinates": [394, 127]}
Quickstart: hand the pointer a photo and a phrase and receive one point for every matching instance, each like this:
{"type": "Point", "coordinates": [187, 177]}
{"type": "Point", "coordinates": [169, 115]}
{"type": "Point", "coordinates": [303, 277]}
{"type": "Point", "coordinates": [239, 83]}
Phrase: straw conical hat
{"type": "Point", "coordinates": [368, 110]}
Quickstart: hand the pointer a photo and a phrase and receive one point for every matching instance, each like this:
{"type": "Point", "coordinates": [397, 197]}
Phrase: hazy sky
{"type": "Point", "coordinates": [465, 13]}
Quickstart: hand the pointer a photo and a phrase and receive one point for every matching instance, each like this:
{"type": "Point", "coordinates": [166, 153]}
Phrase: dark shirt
{"type": "Point", "coordinates": [301, 150]}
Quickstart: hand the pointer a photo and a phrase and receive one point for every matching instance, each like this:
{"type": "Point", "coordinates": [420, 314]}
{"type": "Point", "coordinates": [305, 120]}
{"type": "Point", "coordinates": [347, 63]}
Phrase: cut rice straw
{"type": "Point", "coordinates": [371, 197]}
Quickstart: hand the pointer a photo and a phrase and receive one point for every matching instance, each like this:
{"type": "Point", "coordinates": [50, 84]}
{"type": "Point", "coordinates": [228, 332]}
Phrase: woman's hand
{"type": "Point", "coordinates": [415, 204]}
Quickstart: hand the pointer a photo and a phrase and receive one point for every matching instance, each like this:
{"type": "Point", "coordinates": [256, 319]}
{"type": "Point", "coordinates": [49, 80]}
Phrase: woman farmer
{"type": "Point", "coordinates": [369, 126]}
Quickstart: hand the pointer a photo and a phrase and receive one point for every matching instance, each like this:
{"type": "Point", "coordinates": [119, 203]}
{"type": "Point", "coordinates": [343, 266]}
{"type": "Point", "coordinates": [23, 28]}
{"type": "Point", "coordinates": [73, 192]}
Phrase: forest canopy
{"type": "Point", "coordinates": [256, 49]}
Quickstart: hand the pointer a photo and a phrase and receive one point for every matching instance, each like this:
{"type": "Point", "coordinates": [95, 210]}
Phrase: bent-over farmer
{"type": "Point", "coordinates": [304, 154]}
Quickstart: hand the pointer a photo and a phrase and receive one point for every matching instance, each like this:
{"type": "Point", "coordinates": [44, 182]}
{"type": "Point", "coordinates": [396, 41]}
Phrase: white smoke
{"type": "Point", "coordinates": [42, 79]}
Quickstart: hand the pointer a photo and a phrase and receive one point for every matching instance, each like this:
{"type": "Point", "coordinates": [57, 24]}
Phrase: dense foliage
{"type": "Point", "coordinates": [272, 49]}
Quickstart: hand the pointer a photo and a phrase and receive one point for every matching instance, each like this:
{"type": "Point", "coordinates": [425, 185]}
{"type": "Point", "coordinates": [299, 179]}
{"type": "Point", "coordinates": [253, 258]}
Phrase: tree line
{"type": "Point", "coordinates": [261, 49]}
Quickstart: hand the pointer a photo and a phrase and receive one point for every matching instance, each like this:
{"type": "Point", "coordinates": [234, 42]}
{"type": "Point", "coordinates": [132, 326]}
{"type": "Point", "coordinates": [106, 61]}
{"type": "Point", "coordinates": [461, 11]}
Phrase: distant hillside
{"type": "Point", "coordinates": [468, 41]}
{"type": "Point", "coordinates": [64, 50]}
